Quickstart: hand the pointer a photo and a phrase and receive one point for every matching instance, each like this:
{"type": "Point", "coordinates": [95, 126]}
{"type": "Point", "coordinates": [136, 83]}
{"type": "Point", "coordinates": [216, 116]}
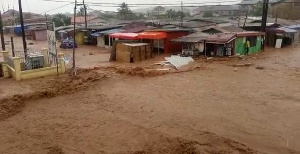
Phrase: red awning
{"type": "Point", "coordinates": [152, 35]}
{"type": "Point", "coordinates": [126, 36]}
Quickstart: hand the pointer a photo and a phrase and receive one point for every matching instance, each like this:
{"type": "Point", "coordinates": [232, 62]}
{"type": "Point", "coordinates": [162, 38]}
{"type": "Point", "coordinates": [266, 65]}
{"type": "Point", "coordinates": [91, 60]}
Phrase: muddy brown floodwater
{"type": "Point", "coordinates": [215, 107]}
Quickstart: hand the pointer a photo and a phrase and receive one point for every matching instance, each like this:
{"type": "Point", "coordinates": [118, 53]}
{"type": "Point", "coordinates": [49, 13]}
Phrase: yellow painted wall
{"type": "Point", "coordinates": [79, 38]}
{"type": "Point", "coordinates": [42, 72]}
{"type": "Point", "coordinates": [10, 70]}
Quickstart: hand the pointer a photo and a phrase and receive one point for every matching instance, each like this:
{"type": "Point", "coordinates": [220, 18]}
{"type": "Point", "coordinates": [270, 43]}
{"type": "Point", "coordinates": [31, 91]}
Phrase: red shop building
{"type": "Point", "coordinates": [165, 44]}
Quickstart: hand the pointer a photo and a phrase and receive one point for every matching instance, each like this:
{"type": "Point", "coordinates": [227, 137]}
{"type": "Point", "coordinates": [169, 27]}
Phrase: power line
{"type": "Point", "coordinates": [143, 4]}
{"type": "Point", "coordinates": [56, 8]}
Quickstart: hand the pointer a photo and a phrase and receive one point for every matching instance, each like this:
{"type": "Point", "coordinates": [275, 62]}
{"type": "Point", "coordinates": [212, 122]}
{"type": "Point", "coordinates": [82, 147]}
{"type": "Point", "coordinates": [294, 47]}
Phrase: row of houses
{"type": "Point", "coordinates": [208, 37]}
{"type": "Point", "coordinates": [285, 9]}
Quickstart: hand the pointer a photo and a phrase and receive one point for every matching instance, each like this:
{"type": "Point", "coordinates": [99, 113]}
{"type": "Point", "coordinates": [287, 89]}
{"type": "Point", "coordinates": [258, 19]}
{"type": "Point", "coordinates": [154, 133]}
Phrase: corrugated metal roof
{"type": "Point", "coordinates": [249, 33]}
{"type": "Point", "coordinates": [221, 38]}
{"type": "Point", "coordinates": [171, 30]}
{"type": "Point", "coordinates": [106, 32]}
{"type": "Point", "coordinates": [224, 29]}
{"type": "Point", "coordinates": [192, 38]}
{"type": "Point", "coordinates": [136, 29]}
{"type": "Point", "coordinates": [285, 30]}
{"type": "Point", "coordinates": [253, 2]}
{"type": "Point", "coordinates": [293, 27]}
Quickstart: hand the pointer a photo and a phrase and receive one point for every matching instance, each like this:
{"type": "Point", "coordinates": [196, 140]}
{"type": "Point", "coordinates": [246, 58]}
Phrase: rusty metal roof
{"type": "Point", "coordinates": [249, 33]}
{"type": "Point", "coordinates": [221, 38]}
{"type": "Point", "coordinates": [192, 38]}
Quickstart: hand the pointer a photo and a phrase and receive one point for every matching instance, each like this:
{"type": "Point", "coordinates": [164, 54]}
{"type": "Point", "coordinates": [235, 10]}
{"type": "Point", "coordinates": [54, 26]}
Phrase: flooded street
{"type": "Point", "coordinates": [217, 109]}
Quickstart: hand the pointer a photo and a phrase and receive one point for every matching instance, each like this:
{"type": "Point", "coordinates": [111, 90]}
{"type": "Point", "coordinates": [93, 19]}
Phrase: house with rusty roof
{"type": "Point", "coordinates": [222, 10]}
{"type": "Point", "coordinates": [220, 44]}
{"type": "Point", "coordinates": [286, 9]}
{"type": "Point", "coordinates": [221, 28]}
{"type": "Point", "coordinates": [249, 5]}
{"type": "Point", "coordinates": [159, 10]}
{"type": "Point", "coordinates": [81, 20]}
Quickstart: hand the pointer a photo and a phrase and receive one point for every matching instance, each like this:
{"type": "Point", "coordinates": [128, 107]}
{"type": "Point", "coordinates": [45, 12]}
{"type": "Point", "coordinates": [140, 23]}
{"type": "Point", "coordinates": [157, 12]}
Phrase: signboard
{"type": "Point", "coordinates": [51, 37]}
{"type": "Point", "coordinates": [278, 43]}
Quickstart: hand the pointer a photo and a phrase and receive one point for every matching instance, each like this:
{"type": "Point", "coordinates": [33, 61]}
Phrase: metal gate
{"type": "Point", "coordinates": [53, 59]}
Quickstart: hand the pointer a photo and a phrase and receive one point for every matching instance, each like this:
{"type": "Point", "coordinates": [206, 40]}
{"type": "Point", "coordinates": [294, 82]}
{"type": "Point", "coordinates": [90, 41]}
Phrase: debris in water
{"type": "Point", "coordinates": [259, 67]}
{"type": "Point", "coordinates": [241, 65]}
{"type": "Point", "coordinates": [178, 61]}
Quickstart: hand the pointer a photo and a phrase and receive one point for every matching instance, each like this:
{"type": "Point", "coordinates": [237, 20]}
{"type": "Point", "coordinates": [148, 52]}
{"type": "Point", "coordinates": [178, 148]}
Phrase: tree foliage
{"type": "Point", "coordinates": [81, 11]}
{"type": "Point", "coordinates": [173, 14]}
{"type": "Point", "coordinates": [125, 12]}
{"type": "Point", "coordinates": [61, 20]}
{"type": "Point", "coordinates": [258, 10]}
{"type": "Point", "coordinates": [208, 14]}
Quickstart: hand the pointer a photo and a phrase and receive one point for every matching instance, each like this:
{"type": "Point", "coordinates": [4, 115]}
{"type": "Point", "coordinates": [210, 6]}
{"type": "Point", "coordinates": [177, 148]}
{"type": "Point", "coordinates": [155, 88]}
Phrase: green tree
{"type": "Point", "coordinates": [80, 12]}
{"type": "Point", "coordinates": [61, 20]}
{"type": "Point", "coordinates": [208, 14]}
{"type": "Point", "coordinates": [258, 10]}
{"type": "Point", "coordinates": [187, 14]}
{"type": "Point", "coordinates": [172, 14]}
{"type": "Point", "coordinates": [124, 11]}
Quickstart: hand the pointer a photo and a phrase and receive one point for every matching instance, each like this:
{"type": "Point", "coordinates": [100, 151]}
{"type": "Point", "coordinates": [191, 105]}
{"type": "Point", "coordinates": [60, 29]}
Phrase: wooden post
{"type": "Point", "coordinates": [12, 46]}
{"type": "Point", "coordinates": [158, 46]}
{"type": "Point", "coordinates": [1, 31]}
{"type": "Point", "coordinates": [109, 41]}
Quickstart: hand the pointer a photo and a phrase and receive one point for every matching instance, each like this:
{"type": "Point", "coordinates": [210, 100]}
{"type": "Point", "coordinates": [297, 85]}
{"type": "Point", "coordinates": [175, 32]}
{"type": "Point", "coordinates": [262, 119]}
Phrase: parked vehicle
{"type": "Point", "coordinates": [67, 44]}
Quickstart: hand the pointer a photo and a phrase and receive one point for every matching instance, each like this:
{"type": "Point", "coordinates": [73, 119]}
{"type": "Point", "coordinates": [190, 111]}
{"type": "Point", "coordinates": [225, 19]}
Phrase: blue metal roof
{"type": "Point", "coordinates": [287, 30]}
{"type": "Point", "coordinates": [106, 32]}
{"type": "Point", "coordinates": [293, 27]}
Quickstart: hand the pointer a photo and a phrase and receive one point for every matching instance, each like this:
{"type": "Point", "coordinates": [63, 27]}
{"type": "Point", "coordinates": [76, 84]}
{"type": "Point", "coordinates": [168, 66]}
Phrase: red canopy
{"type": "Point", "coordinates": [127, 36]}
{"type": "Point", "coordinates": [152, 35]}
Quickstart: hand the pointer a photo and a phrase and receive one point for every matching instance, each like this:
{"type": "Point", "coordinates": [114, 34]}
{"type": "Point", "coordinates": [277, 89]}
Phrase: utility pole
{"type": "Point", "coordinates": [12, 46]}
{"type": "Point", "coordinates": [46, 17]}
{"type": "Point", "coordinates": [85, 20]}
{"type": "Point", "coordinates": [264, 15]}
{"type": "Point", "coordinates": [1, 31]}
{"type": "Point", "coordinates": [276, 18]}
{"type": "Point", "coordinates": [244, 25]}
{"type": "Point", "coordinates": [181, 14]}
{"type": "Point", "coordinates": [74, 40]}
{"type": "Point", "coordinates": [23, 30]}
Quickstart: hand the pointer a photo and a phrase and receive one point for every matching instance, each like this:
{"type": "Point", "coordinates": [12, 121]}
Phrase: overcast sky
{"type": "Point", "coordinates": [41, 6]}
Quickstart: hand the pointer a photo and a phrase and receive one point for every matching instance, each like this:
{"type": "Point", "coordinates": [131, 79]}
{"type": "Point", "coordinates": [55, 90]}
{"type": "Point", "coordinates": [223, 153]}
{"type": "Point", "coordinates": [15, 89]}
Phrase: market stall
{"type": "Point", "coordinates": [158, 36]}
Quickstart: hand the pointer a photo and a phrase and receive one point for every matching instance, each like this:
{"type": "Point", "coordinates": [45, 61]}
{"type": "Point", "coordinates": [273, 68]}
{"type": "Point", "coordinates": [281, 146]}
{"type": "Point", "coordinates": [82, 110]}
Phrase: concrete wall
{"type": "Point", "coordinates": [41, 35]}
{"type": "Point", "coordinates": [19, 75]}
{"type": "Point", "coordinates": [42, 72]}
{"type": "Point", "coordinates": [100, 41]}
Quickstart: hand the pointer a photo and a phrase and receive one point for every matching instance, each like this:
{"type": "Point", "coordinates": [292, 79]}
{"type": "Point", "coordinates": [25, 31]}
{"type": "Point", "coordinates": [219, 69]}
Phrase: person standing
{"type": "Point", "coordinates": [247, 47]}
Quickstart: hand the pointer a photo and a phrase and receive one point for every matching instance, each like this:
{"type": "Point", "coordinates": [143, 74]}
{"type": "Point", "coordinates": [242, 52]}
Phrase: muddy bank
{"type": "Point", "coordinates": [213, 144]}
{"type": "Point", "coordinates": [148, 71]}
{"type": "Point", "coordinates": [65, 84]}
